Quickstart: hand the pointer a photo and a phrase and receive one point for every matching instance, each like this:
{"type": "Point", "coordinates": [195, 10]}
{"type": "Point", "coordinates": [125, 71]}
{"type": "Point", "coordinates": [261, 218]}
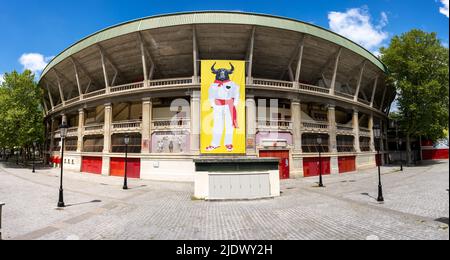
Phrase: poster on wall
{"type": "Point", "coordinates": [223, 107]}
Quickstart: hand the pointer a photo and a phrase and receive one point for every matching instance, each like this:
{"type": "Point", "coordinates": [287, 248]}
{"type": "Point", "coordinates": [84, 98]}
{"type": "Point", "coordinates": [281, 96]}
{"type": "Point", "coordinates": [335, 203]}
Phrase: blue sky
{"type": "Point", "coordinates": [32, 32]}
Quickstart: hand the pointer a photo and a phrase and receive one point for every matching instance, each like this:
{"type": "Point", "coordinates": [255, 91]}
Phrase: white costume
{"type": "Point", "coordinates": [224, 98]}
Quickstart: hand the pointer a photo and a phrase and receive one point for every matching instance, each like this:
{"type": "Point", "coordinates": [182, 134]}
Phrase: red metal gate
{"type": "Point", "coordinates": [91, 165]}
{"type": "Point", "coordinates": [347, 164]}
{"type": "Point", "coordinates": [284, 161]}
{"type": "Point", "coordinates": [311, 166]}
{"type": "Point", "coordinates": [117, 167]}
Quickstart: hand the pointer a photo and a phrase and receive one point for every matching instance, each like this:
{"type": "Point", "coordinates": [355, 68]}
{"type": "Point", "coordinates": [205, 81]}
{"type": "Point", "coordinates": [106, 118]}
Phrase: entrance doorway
{"type": "Point", "coordinates": [284, 161]}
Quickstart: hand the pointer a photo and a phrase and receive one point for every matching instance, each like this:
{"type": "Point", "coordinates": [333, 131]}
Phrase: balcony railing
{"type": "Point", "coordinates": [360, 100]}
{"type": "Point", "coordinates": [312, 88]}
{"type": "Point", "coordinates": [364, 131]}
{"type": "Point", "coordinates": [93, 129]}
{"type": "Point", "coordinates": [344, 129]}
{"type": "Point", "coordinates": [344, 95]}
{"type": "Point", "coordinates": [171, 82]}
{"type": "Point", "coordinates": [264, 124]}
{"type": "Point", "coordinates": [315, 126]}
{"type": "Point", "coordinates": [165, 124]}
{"type": "Point", "coordinates": [73, 131]}
{"type": "Point", "coordinates": [95, 93]}
{"type": "Point", "coordinates": [71, 101]}
{"type": "Point", "coordinates": [273, 83]}
{"type": "Point", "coordinates": [127, 87]}
{"type": "Point", "coordinates": [126, 126]}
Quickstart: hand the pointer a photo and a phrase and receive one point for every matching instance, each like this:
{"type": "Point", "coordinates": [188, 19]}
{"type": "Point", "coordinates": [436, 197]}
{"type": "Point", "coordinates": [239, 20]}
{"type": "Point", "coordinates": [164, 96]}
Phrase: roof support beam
{"type": "Point", "coordinates": [45, 106]}
{"type": "Point", "coordinates": [293, 56]}
{"type": "Point", "coordinates": [80, 92]}
{"type": "Point", "coordinates": [250, 55]}
{"type": "Point", "coordinates": [300, 60]}
{"type": "Point", "coordinates": [336, 65]}
{"type": "Point", "coordinates": [291, 74]}
{"type": "Point", "coordinates": [358, 87]}
{"type": "Point", "coordinates": [149, 57]}
{"type": "Point", "coordinates": [144, 61]}
{"type": "Point", "coordinates": [105, 72]}
{"type": "Point", "coordinates": [84, 71]}
{"type": "Point", "coordinates": [195, 54]}
{"type": "Point", "coordinates": [50, 96]}
{"type": "Point", "coordinates": [374, 92]}
{"type": "Point", "coordinates": [61, 93]}
{"type": "Point", "coordinates": [105, 58]}
{"type": "Point", "coordinates": [383, 99]}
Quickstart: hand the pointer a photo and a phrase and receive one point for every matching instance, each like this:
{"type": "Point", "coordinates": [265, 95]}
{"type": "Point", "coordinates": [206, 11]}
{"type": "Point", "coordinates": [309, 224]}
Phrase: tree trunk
{"type": "Point", "coordinates": [408, 149]}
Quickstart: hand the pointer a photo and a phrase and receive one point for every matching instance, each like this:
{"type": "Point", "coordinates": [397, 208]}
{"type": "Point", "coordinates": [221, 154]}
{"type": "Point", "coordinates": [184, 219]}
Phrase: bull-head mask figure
{"type": "Point", "coordinates": [222, 74]}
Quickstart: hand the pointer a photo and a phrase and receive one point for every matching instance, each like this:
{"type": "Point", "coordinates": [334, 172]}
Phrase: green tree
{"type": "Point", "coordinates": [21, 113]}
{"type": "Point", "coordinates": [418, 65]}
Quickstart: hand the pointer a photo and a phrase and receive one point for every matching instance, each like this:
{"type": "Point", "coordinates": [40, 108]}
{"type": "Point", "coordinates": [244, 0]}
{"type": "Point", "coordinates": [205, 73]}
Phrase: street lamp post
{"type": "Point", "coordinates": [34, 156]}
{"type": "Point", "coordinates": [399, 145]}
{"type": "Point", "coordinates": [319, 142]}
{"type": "Point", "coordinates": [125, 181]}
{"type": "Point", "coordinates": [400, 142]}
{"type": "Point", "coordinates": [377, 135]}
{"type": "Point", "coordinates": [63, 129]}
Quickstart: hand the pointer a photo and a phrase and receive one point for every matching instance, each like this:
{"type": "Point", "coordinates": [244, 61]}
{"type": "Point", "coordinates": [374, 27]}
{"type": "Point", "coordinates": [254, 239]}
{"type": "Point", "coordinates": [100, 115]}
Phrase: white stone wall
{"type": "Point", "coordinates": [180, 170]}
{"type": "Point", "coordinates": [72, 162]}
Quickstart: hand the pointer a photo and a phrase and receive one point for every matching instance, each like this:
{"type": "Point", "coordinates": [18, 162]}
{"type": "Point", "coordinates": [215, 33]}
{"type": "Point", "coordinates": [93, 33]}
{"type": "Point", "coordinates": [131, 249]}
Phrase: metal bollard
{"type": "Point", "coordinates": [1, 205]}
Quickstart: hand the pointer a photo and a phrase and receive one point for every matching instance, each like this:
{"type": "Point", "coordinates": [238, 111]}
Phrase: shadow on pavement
{"type": "Point", "coordinates": [82, 203]}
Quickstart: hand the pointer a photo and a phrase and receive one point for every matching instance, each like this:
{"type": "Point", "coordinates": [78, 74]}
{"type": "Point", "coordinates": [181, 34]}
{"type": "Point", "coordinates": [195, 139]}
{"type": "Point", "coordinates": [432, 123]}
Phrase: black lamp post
{"type": "Point", "coordinates": [377, 135]}
{"type": "Point", "coordinates": [125, 181]}
{"type": "Point", "coordinates": [400, 142]}
{"type": "Point", "coordinates": [399, 145]}
{"type": "Point", "coordinates": [63, 129]}
{"type": "Point", "coordinates": [34, 156]}
{"type": "Point", "coordinates": [319, 142]}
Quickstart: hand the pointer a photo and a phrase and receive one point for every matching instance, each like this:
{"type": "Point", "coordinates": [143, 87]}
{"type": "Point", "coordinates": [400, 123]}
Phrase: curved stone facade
{"type": "Point", "coordinates": [142, 79]}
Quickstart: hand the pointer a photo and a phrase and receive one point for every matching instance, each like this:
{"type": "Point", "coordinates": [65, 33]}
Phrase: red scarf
{"type": "Point", "coordinates": [233, 111]}
{"type": "Point", "coordinates": [221, 83]}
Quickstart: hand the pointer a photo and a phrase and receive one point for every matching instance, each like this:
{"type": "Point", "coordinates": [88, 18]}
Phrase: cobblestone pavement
{"type": "Point", "coordinates": [416, 207]}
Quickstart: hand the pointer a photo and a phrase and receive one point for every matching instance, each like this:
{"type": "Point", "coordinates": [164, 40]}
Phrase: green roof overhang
{"type": "Point", "coordinates": [214, 17]}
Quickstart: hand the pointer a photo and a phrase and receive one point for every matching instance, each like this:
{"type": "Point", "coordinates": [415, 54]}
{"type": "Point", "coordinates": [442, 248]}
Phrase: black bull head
{"type": "Point", "coordinates": [222, 74]}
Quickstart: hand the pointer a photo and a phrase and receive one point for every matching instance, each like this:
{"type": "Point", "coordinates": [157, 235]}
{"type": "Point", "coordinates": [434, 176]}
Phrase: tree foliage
{"type": "Point", "coordinates": [418, 65]}
{"type": "Point", "coordinates": [21, 114]}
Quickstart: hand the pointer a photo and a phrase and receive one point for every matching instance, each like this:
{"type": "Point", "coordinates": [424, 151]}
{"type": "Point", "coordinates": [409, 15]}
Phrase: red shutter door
{"type": "Point", "coordinates": [347, 164]}
{"type": "Point", "coordinates": [311, 166]}
{"type": "Point", "coordinates": [91, 165]}
{"type": "Point", "coordinates": [117, 167]}
{"type": "Point", "coordinates": [284, 161]}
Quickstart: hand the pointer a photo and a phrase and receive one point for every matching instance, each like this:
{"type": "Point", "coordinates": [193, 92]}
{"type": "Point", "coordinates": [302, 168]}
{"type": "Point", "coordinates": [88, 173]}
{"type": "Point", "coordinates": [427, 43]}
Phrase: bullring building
{"type": "Point", "coordinates": [143, 79]}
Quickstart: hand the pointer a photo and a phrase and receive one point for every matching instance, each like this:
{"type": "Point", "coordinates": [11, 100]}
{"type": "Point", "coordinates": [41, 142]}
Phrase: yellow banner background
{"type": "Point", "coordinates": [207, 111]}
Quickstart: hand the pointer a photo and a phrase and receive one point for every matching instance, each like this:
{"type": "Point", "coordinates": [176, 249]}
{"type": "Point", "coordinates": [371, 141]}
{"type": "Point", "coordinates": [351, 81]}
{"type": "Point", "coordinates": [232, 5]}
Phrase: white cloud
{"type": "Point", "coordinates": [444, 9]}
{"type": "Point", "coordinates": [356, 24]}
{"type": "Point", "coordinates": [2, 79]}
{"type": "Point", "coordinates": [34, 62]}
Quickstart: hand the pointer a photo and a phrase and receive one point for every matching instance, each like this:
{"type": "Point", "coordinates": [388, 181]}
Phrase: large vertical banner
{"type": "Point", "coordinates": [223, 107]}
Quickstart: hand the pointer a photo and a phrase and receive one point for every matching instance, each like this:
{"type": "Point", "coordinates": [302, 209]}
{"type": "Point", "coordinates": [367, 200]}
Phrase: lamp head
{"type": "Point", "coordinates": [63, 128]}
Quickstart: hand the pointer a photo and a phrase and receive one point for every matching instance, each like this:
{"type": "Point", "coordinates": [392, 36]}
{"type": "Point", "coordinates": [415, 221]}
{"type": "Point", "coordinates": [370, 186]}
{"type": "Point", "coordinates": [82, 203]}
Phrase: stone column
{"type": "Point", "coordinates": [372, 137]}
{"type": "Point", "coordinates": [297, 165]}
{"type": "Point", "coordinates": [333, 141]}
{"type": "Point", "coordinates": [147, 109]}
{"type": "Point", "coordinates": [80, 130]}
{"type": "Point", "coordinates": [332, 130]}
{"type": "Point", "coordinates": [107, 139]}
{"type": "Point", "coordinates": [356, 130]}
{"type": "Point", "coordinates": [251, 125]}
{"type": "Point", "coordinates": [52, 137]}
{"type": "Point", "coordinates": [195, 122]}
